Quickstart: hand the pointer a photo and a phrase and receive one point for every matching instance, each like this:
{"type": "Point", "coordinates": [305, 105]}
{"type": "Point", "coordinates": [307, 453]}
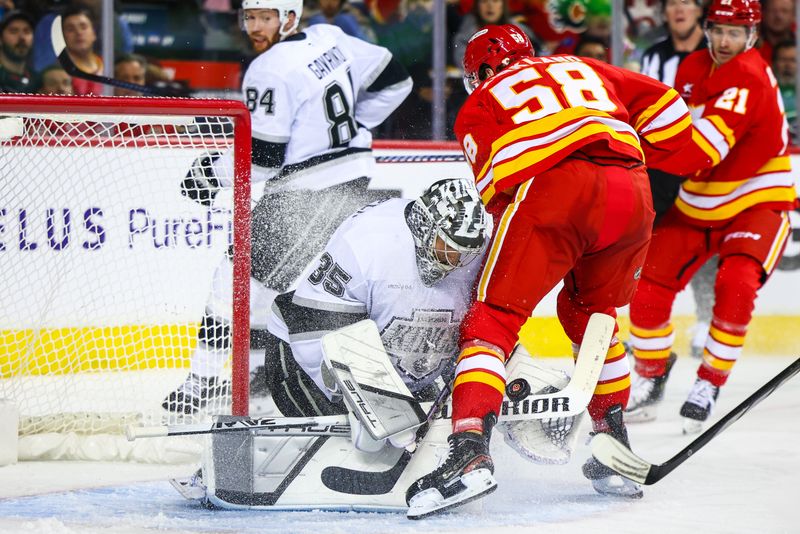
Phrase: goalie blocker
{"type": "Point", "coordinates": [273, 470]}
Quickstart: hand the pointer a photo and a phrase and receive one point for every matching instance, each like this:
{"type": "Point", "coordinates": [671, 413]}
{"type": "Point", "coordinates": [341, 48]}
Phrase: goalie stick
{"type": "Point", "coordinates": [60, 48]}
{"type": "Point", "coordinates": [613, 454]}
{"type": "Point", "coordinates": [570, 401]}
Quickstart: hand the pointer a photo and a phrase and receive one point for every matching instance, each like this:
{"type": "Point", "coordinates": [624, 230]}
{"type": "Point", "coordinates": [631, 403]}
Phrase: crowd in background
{"type": "Point", "coordinates": [209, 30]}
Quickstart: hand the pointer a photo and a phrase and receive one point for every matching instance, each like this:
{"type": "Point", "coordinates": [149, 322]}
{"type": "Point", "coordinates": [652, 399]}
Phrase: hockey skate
{"type": "Point", "coordinates": [604, 480]}
{"type": "Point", "coordinates": [646, 395]}
{"type": "Point", "coordinates": [464, 476]}
{"type": "Point", "coordinates": [698, 405]}
{"type": "Point", "coordinates": [192, 488]}
{"type": "Point", "coordinates": [194, 394]}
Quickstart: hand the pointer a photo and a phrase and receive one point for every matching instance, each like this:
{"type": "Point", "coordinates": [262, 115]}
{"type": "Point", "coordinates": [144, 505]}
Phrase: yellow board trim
{"type": "Point", "coordinates": [59, 351]}
{"type": "Point", "coordinates": [766, 336]}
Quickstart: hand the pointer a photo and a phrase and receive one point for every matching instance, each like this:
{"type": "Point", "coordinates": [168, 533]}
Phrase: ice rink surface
{"type": "Point", "coordinates": [745, 480]}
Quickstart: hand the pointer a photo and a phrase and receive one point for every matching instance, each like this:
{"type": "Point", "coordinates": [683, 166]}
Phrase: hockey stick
{"type": "Point", "coordinates": [60, 48]}
{"type": "Point", "coordinates": [357, 482]}
{"type": "Point", "coordinates": [613, 454]}
{"type": "Point", "coordinates": [327, 425]}
{"type": "Point", "coordinates": [570, 401]}
{"type": "Point", "coordinates": [574, 399]}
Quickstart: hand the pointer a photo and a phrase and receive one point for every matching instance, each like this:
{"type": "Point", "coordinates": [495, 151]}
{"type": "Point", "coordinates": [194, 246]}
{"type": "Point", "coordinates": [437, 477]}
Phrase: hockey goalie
{"type": "Point", "coordinates": [360, 362]}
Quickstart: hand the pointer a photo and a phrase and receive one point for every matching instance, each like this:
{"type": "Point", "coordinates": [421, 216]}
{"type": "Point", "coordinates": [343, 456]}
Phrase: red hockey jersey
{"type": "Point", "coordinates": [530, 116]}
{"type": "Point", "coordinates": [739, 123]}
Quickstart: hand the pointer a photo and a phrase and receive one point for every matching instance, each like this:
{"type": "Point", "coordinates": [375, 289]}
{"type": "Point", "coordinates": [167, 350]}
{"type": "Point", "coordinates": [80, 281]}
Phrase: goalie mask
{"type": "Point", "coordinates": [493, 47]}
{"type": "Point", "coordinates": [450, 227]}
{"type": "Point", "coordinates": [283, 7]}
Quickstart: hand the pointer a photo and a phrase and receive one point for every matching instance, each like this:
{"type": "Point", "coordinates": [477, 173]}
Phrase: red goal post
{"type": "Point", "coordinates": [91, 189]}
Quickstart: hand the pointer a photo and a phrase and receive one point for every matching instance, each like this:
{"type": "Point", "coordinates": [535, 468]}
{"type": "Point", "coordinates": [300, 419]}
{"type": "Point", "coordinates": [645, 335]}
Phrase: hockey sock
{"type": "Point", "coordinates": [652, 335]}
{"type": "Point", "coordinates": [480, 383]}
{"type": "Point", "coordinates": [737, 284]}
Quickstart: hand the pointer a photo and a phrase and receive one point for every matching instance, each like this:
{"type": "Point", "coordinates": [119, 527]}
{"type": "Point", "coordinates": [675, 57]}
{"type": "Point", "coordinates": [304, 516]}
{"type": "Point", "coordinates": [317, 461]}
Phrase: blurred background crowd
{"type": "Point", "coordinates": [197, 47]}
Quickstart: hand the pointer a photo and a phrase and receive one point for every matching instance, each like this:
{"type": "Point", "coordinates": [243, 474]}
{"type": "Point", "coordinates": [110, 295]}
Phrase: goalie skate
{"type": "Point", "coordinates": [191, 488]}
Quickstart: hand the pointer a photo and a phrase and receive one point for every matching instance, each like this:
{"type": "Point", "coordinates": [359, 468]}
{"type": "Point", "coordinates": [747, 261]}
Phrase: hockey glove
{"type": "Point", "coordinates": [200, 183]}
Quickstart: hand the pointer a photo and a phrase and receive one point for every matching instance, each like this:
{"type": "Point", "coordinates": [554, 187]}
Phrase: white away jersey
{"type": "Point", "coordinates": [368, 269]}
{"type": "Point", "coordinates": [309, 93]}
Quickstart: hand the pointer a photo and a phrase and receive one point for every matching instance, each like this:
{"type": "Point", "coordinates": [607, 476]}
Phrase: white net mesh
{"type": "Point", "coordinates": [106, 266]}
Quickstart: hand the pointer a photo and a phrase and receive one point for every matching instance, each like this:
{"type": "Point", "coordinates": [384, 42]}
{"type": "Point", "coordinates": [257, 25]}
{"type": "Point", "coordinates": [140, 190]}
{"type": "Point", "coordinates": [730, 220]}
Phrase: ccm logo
{"type": "Point", "coordinates": [742, 235]}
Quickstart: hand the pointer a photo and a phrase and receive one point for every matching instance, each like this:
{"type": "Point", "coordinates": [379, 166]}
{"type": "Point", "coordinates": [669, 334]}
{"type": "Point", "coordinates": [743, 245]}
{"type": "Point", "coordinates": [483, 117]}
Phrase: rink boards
{"type": "Point", "coordinates": [178, 243]}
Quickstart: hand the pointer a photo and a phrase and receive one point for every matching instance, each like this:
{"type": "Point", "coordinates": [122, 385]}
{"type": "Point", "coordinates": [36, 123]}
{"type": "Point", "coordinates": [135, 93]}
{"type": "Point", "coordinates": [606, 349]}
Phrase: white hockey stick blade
{"type": "Point", "coordinates": [573, 399]}
{"type": "Point", "coordinates": [612, 453]}
{"type": "Point", "coordinates": [57, 36]}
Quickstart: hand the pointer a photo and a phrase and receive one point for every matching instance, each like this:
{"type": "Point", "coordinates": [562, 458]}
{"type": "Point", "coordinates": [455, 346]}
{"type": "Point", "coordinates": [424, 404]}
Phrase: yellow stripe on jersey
{"type": "Point", "coordinates": [778, 164]}
{"type": "Point", "coordinates": [535, 155]}
{"type": "Point", "coordinates": [712, 188]}
{"type": "Point", "coordinates": [653, 110]}
{"type": "Point", "coordinates": [778, 244]}
{"type": "Point", "coordinates": [499, 237]}
{"type": "Point", "coordinates": [613, 387]}
{"type": "Point", "coordinates": [723, 128]}
{"type": "Point", "coordinates": [733, 208]}
{"type": "Point", "coordinates": [660, 135]}
{"type": "Point", "coordinates": [724, 337]}
{"type": "Point", "coordinates": [542, 128]}
{"type": "Point", "coordinates": [647, 333]}
{"type": "Point", "coordinates": [705, 146]}
{"type": "Point", "coordinates": [481, 377]}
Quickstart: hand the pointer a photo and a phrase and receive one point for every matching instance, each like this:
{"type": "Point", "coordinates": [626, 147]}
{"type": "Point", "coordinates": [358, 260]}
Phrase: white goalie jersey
{"type": "Point", "coordinates": [312, 99]}
{"type": "Point", "coordinates": [368, 270]}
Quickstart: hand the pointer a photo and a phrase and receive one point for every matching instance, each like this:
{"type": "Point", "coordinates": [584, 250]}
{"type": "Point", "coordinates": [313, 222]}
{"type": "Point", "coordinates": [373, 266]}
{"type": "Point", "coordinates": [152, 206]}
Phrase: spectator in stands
{"type": "Point", "coordinates": [80, 37]}
{"type": "Point", "coordinates": [784, 65]}
{"type": "Point", "coordinates": [335, 12]}
{"type": "Point", "coordinates": [683, 20]}
{"type": "Point", "coordinates": [484, 12]}
{"type": "Point", "coordinates": [16, 36]}
{"type": "Point", "coordinates": [130, 68]}
{"type": "Point", "coordinates": [43, 54]}
{"type": "Point", "coordinates": [56, 81]}
{"type": "Point", "coordinates": [592, 47]}
{"type": "Point", "coordinates": [777, 25]}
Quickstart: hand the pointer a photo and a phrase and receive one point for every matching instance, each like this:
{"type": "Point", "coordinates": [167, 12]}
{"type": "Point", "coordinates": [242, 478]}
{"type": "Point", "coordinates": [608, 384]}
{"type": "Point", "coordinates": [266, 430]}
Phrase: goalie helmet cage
{"type": "Point", "coordinates": [107, 267]}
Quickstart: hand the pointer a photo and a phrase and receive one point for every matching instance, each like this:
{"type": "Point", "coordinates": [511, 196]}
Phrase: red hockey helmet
{"type": "Point", "coordinates": [735, 12]}
{"type": "Point", "coordinates": [495, 47]}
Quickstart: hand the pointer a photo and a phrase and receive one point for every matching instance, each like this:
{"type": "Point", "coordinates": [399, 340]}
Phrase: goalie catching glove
{"type": "Point", "coordinates": [201, 184]}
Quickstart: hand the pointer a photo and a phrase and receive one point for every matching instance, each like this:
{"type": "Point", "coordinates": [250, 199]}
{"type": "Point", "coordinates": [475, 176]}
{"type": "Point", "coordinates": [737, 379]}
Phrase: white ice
{"type": "Point", "coordinates": [745, 480]}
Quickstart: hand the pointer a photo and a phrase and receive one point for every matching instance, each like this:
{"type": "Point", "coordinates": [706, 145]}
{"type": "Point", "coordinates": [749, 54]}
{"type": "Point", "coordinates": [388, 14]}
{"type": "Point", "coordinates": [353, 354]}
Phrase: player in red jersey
{"type": "Point", "coordinates": [735, 206]}
{"type": "Point", "coordinates": [557, 146]}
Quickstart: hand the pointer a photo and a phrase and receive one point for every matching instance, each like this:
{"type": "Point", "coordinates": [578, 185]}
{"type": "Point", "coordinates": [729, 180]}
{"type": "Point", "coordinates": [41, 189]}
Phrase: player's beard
{"type": "Point", "coordinates": [17, 52]}
{"type": "Point", "coordinates": [263, 43]}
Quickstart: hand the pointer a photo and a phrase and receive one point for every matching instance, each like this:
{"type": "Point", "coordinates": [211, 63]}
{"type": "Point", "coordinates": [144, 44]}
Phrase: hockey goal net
{"type": "Point", "coordinates": [106, 266]}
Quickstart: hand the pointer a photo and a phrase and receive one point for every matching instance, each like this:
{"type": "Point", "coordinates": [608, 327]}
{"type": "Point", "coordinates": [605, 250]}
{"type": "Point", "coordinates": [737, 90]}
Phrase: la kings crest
{"type": "Point", "coordinates": [421, 345]}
